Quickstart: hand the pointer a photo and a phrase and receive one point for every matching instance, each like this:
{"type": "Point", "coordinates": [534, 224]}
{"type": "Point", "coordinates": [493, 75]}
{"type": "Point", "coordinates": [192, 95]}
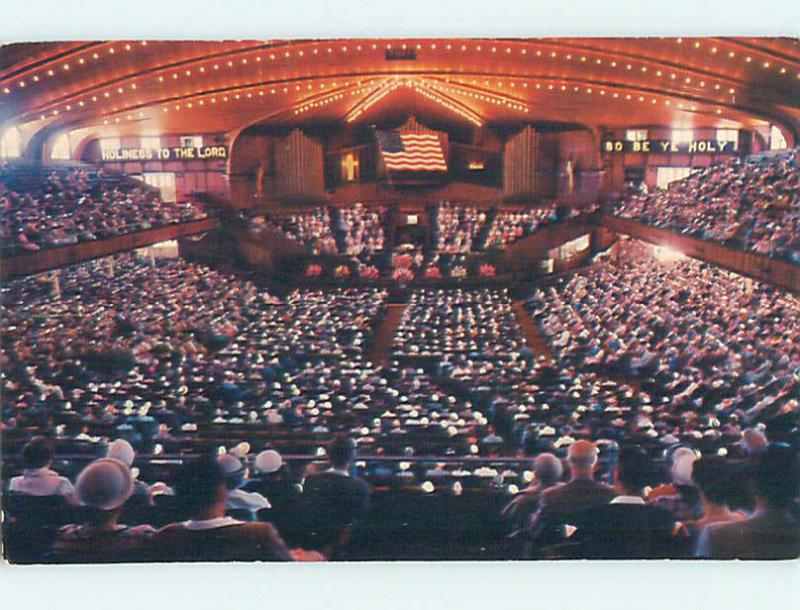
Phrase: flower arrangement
{"type": "Point", "coordinates": [403, 274]}
{"type": "Point", "coordinates": [369, 272]}
{"type": "Point", "coordinates": [459, 272]}
{"type": "Point", "coordinates": [403, 261]}
{"type": "Point", "coordinates": [314, 270]}
{"type": "Point", "coordinates": [433, 273]}
{"type": "Point", "coordinates": [342, 272]}
{"type": "Point", "coordinates": [487, 270]}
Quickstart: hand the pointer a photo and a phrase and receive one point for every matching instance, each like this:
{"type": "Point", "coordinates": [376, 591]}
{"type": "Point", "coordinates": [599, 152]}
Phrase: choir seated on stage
{"type": "Point", "coordinates": [71, 205]}
{"type": "Point", "coordinates": [653, 366]}
{"type": "Point", "coordinates": [752, 205]}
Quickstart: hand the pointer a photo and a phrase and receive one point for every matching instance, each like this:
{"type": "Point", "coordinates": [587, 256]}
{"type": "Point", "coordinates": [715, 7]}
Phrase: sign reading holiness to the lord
{"type": "Point", "coordinates": [173, 153]}
{"type": "Point", "coordinates": [724, 147]}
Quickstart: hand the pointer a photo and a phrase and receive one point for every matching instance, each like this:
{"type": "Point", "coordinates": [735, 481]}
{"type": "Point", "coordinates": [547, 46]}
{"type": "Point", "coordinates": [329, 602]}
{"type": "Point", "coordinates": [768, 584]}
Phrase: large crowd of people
{"type": "Point", "coordinates": [671, 387]}
{"type": "Point", "coordinates": [64, 206]}
{"type": "Point", "coordinates": [752, 205]}
{"type": "Point", "coordinates": [457, 227]}
{"type": "Point", "coordinates": [312, 229]}
{"type": "Point", "coordinates": [510, 226]}
{"type": "Point", "coordinates": [362, 229]}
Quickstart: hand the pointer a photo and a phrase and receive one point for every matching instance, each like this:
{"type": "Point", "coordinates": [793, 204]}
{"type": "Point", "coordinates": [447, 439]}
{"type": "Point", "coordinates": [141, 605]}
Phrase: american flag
{"type": "Point", "coordinates": [412, 151]}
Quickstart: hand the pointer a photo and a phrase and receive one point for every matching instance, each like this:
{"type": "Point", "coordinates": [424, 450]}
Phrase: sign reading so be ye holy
{"type": "Point", "coordinates": [669, 146]}
{"type": "Point", "coordinates": [173, 153]}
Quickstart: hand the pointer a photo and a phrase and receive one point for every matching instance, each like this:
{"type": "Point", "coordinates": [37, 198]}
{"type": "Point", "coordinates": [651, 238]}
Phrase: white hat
{"type": "Point", "coordinates": [268, 461]}
{"type": "Point", "coordinates": [683, 460]}
{"type": "Point", "coordinates": [121, 450]}
{"type": "Point", "coordinates": [105, 484]}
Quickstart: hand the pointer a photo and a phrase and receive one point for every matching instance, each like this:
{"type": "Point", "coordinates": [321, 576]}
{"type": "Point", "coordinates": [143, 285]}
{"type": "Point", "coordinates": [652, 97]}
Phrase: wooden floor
{"type": "Point", "coordinates": [381, 352]}
{"type": "Point", "coordinates": [530, 330]}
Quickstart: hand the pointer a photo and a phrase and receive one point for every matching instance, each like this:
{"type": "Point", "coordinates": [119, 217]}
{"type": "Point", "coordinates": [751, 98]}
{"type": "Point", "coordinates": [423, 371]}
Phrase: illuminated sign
{"type": "Point", "coordinates": [668, 146]}
{"type": "Point", "coordinates": [174, 153]}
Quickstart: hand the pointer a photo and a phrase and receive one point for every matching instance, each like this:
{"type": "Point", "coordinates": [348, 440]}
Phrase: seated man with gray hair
{"type": "Point", "coordinates": [567, 503]}
{"type": "Point", "coordinates": [547, 471]}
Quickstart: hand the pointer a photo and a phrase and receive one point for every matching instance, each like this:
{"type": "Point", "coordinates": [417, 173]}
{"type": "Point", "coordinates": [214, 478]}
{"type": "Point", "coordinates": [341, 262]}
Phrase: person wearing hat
{"type": "Point", "coordinates": [270, 480]}
{"type": "Point", "coordinates": [210, 535]}
{"type": "Point", "coordinates": [681, 498]}
{"type": "Point", "coordinates": [565, 504]}
{"type": "Point", "coordinates": [235, 473]}
{"type": "Point", "coordinates": [102, 489]}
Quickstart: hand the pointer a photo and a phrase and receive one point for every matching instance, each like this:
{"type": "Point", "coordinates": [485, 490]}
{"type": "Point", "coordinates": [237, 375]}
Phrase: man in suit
{"type": "Point", "coordinates": [211, 536]}
{"type": "Point", "coordinates": [627, 527]}
{"type": "Point", "coordinates": [772, 532]}
{"type": "Point", "coordinates": [334, 501]}
{"type": "Point", "coordinates": [566, 504]}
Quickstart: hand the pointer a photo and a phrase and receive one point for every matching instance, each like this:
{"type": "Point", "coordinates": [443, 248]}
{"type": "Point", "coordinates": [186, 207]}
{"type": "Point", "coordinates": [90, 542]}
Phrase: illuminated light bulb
{"type": "Point", "coordinates": [679, 40]}
{"type": "Point", "coordinates": [598, 61]}
{"type": "Point", "coordinates": [80, 104]}
{"type": "Point", "coordinates": [616, 94]}
{"type": "Point", "coordinates": [553, 54]}
{"type": "Point", "coordinates": [111, 50]}
{"type": "Point", "coordinates": [666, 102]}
{"type": "Point", "coordinates": [613, 64]}
{"type": "Point", "coordinates": [133, 86]}
{"type": "Point", "coordinates": [175, 76]}
{"type": "Point", "coordinates": [119, 89]}
{"type": "Point", "coordinates": [719, 111]}
{"type": "Point", "coordinates": [628, 67]}
{"type": "Point", "coordinates": [81, 61]}
{"type": "Point", "coordinates": [69, 107]}
{"type": "Point", "coordinates": [6, 90]}
{"type": "Point", "coordinates": [216, 66]}
{"type": "Point", "coordinates": [202, 69]}
{"type": "Point", "coordinates": [644, 68]}
{"type": "Point", "coordinates": [95, 56]}
{"type": "Point", "coordinates": [713, 49]}
{"type": "Point", "coordinates": [94, 98]}
{"type": "Point", "coordinates": [583, 59]}
{"type": "Point", "coordinates": [165, 109]}
{"type": "Point", "coordinates": [105, 122]}
{"type": "Point", "coordinates": [66, 66]}
{"type": "Point", "coordinates": [230, 64]}
{"type": "Point", "coordinates": [766, 64]}
{"type": "Point", "coordinates": [731, 91]}
{"type": "Point", "coordinates": [427, 487]}
{"type": "Point", "coordinates": [106, 94]}
{"type": "Point", "coordinates": [783, 70]}
{"type": "Point", "coordinates": [696, 45]}
{"type": "Point", "coordinates": [748, 59]}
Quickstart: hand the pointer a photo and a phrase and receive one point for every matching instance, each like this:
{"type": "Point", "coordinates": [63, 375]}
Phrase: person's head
{"type": "Point", "coordinates": [548, 469]}
{"type": "Point", "coordinates": [201, 487]}
{"type": "Point", "coordinates": [232, 470]}
{"type": "Point", "coordinates": [633, 470]}
{"type": "Point", "coordinates": [755, 442]}
{"type": "Point", "coordinates": [683, 459]}
{"type": "Point", "coordinates": [582, 458]}
{"type": "Point", "coordinates": [104, 485]}
{"type": "Point", "coordinates": [342, 451]}
{"type": "Point", "coordinates": [268, 461]}
{"type": "Point", "coordinates": [38, 453]}
{"type": "Point", "coordinates": [776, 476]}
{"type": "Point", "coordinates": [121, 450]}
{"type": "Point", "coordinates": [713, 476]}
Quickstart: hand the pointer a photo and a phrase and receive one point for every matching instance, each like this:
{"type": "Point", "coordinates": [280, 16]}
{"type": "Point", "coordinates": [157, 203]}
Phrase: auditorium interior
{"type": "Point", "coordinates": [400, 299]}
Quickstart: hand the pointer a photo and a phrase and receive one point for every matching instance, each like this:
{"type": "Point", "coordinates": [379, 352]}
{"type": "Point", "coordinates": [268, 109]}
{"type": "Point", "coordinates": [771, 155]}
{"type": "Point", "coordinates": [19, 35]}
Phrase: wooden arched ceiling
{"type": "Point", "coordinates": [140, 87]}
